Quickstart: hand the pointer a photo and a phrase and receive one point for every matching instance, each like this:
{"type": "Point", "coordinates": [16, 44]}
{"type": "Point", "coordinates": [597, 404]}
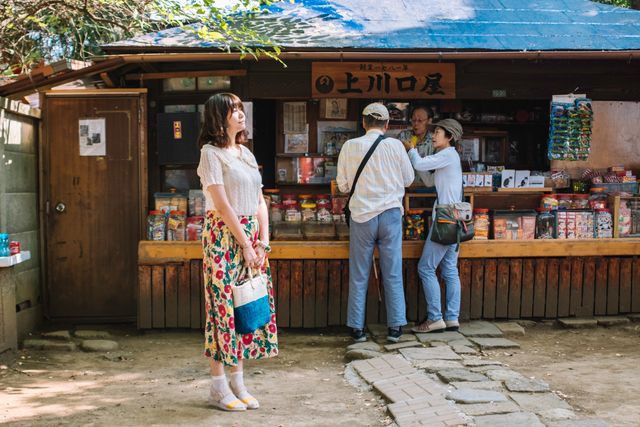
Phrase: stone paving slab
{"type": "Point", "coordinates": [487, 368]}
{"type": "Point", "coordinates": [526, 385]}
{"type": "Point", "coordinates": [425, 411]}
{"type": "Point", "coordinates": [409, 387]}
{"type": "Point", "coordinates": [436, 365]}
{"type": "Point", "coordinates": [378, 330]}
{"type": "Point", "coordinates": [493, 343]}
{"type": "Point", "coordinates": [88, 334]}
{"type": "Point", "coordinates": [492, 408]}
{"type": "Point", "coordinates": [478, 361]}
{"type": "Point", "coordinates": [538, 402]}
{"type": "Point", "coordinates": [479, 329]}
{"type": "Point", "coordinates": [462, 341]}
{"type": "Point", "coordinates": [503, 374]}
{"type": "Point", "coordinates": [470, 395]}
{"type": "Point", "coordinates": [578, 323]}
{"type": "Point", "coordinates": [38, 344]}
{"type": "Point", "coordinates": [449, 375]}
{"type": "Point", "coordinates": [367, 345]}
{"type": "Point", "coordinates": [463, 349]}
{"type": "Point", "coordinates": [612, 320]}
{"type": "Point", "coordinates": [510, 328]}
{"type": "Point", "coordinates": [519, 419]}
{"type": "Point", "coordinates": [557, 414]}
{"type": "Point", "coordinates": [99, 345]}
{"type": "Point", "coordinates": [591, 422]}
{"type": "Point", "coordinates": [480, 385]}
{"type": "Point", "coordinates": [440, 336]}
{"type": "Point", "coordinates": [399, 345]}
{"type": "Point", "coordinates": [57, 335]}
{"type": "Point", "coordinates": [380, 368]}
{"type": "Point", "coordinates": [362, 354]}
{"type": "Point", "coordinates": [440, 353]}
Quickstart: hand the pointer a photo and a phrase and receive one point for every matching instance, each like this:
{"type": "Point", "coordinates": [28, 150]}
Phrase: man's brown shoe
{"type": "Point", "coordinates": [430, 326]}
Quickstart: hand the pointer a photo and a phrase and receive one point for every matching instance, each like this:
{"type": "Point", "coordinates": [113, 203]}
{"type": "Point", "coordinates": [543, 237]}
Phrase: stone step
{"type": "Point", "coordinates": [39, 344]}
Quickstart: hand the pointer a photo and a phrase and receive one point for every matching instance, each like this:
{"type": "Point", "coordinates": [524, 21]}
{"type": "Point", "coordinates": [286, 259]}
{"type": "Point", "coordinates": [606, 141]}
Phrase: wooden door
{"type": "Point", "coordinates": [93, 203]}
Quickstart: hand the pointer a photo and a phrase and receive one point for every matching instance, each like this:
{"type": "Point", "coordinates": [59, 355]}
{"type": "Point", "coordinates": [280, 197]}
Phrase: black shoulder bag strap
{"type": "Point", "coordinates": [355, 180]}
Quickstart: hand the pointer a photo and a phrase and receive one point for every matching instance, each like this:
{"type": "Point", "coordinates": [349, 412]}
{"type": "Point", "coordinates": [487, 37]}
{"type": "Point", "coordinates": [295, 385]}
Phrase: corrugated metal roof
{"type": "Point", "coordinates": [434, 24]}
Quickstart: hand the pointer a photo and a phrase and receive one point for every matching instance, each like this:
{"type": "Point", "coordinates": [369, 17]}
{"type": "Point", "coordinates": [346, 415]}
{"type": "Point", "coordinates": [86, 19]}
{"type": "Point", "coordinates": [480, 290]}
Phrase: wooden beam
{"type": "Point", "coordinates": [175, 74]}
{"type": "Point", "coordinates": [161, 252]}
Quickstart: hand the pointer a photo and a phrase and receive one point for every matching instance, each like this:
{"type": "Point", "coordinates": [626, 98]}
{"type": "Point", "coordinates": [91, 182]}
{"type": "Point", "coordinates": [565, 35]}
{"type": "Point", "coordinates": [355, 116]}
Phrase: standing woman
{"type": "Point", "coordinates": [235, 239]}
{"type": "Point", "coordinates": [448, 181]}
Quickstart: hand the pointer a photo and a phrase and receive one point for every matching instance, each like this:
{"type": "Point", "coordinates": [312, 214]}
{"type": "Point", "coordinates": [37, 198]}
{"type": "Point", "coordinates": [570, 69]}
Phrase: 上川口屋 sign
{"type": "Point", "coordinates": [397, 80]}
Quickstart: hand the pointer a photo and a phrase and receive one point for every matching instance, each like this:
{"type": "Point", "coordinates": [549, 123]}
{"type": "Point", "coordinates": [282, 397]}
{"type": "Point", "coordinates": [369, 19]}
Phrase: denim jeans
{"type": "Point", "coordinates": [445, 256]}
{"type": "Point", "coordinates": [385, 230]}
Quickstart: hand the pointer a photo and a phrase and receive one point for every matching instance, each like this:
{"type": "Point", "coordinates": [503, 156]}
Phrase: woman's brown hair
{"type": "Point", "coordinates": [214, 128]}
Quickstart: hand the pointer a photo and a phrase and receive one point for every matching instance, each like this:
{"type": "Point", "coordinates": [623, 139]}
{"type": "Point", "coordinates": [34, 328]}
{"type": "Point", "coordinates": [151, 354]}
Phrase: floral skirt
{"type": "Point", "coordinates": [223, 265]}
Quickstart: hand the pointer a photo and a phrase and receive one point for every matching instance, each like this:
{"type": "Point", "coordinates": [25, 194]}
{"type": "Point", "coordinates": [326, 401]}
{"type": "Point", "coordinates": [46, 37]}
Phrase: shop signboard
{"type": "Point", "coordinates": [383, 80]}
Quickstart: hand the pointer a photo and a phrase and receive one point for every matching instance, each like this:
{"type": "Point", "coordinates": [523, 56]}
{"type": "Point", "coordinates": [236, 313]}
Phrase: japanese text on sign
{"type": "Point", "coordinates": [382, 80]}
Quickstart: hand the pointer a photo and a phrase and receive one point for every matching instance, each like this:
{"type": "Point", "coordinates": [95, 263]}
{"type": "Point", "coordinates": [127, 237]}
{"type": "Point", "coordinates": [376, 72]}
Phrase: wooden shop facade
{"type": "Point", "coordinates": [100, 265]}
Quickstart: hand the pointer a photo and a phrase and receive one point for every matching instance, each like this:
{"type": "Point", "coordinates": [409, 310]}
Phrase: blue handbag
{"type": "Point", "coordinates": [251, 303]}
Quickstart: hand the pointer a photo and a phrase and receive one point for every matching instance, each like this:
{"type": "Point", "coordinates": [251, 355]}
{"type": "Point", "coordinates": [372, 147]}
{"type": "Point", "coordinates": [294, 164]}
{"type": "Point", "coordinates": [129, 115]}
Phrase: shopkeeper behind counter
{"type": "Point", "coordinates": [420, 136]}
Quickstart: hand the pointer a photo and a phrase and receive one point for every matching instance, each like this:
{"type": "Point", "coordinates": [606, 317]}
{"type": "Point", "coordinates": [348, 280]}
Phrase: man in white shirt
{"type": "Point", "coordinates": [376, 217]}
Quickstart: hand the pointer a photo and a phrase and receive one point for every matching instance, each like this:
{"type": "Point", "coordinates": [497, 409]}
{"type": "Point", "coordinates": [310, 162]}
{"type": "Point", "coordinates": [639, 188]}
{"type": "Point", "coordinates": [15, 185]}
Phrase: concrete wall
{"type": "Point", "coordinates": [19, 206]}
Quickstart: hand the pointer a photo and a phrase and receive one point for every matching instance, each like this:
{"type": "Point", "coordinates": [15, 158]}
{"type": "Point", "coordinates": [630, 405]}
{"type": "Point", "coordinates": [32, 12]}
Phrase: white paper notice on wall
{"type": "Point", "coordinates": [92, 137]}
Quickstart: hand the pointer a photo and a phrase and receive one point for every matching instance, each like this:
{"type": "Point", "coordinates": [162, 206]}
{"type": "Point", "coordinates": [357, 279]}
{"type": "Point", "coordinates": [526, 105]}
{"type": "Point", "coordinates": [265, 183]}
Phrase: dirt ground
{"type": "Point", "coordinates": [162, 379]}
{"type": "Point", "coordinates": [596, 370]}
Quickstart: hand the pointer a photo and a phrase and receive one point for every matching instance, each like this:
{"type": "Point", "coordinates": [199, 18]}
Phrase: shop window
{"type": "Point", "coordinates": [214, 83]}
{"type": "Point", "coordinates": [180, 179]}
{"type": "Point", "coordinates": [179, 108]}
{"type": "Point", "coordinates": [179, 84]}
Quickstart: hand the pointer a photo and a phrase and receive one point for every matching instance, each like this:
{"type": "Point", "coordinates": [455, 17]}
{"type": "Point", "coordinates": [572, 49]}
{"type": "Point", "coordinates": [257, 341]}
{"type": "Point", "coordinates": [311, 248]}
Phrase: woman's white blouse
{"type": "Point", "coordinates": [238, 174]}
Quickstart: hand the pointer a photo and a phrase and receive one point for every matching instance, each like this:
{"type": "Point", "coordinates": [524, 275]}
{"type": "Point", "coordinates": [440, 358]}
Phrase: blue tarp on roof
{"type": "Point", "coordinates": [432, 24]}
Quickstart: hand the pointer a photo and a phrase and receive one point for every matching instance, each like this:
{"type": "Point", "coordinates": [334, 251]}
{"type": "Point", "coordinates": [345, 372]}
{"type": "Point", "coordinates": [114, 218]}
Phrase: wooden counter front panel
{"type": "Point", "coordinates": [314, 293]}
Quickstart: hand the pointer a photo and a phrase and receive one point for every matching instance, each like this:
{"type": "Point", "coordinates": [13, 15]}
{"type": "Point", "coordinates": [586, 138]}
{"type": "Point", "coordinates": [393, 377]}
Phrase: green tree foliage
{"type": "Point", "coordinates": [633, 4]}
{"type": "Point", "coordinates": [36, 31]}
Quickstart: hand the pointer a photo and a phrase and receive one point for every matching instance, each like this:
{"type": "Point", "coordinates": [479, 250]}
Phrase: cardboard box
{"type": "Point", "coordinates": [508, 178]}
{"type": "Point", "coordinates": [522, 179]}
{"type": "Point", "coordinates": [536, 181]}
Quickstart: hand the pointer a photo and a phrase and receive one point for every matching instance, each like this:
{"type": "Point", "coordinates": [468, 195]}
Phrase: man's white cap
{"type": "Point", "coordinates": [377, 111]}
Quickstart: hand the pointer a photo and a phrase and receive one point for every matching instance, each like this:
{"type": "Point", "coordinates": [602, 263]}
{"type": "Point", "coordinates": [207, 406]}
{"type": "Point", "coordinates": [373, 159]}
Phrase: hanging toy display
{"type": "Point", "coordinates": [570, 130]}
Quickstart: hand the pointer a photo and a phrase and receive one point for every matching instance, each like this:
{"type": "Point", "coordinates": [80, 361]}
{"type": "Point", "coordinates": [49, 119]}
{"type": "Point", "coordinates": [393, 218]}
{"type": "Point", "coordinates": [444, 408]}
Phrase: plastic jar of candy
{"type": "Point", "coordinates": [276, 213]}
{"type": "Point", "coordinates": [549, 201]}
{"type": "Point", "coordinates": [4, 245]}
{"type": "Point", "coordinates": [176, 225]}
{"type": "Point", "coordinates": [545, 224]}
{"type": "Point", "coordinates": [414, 227]}
{"type": "Point", "coordinates": [604, 224]}
{"type": "Point", "coordinates": [481, 224]}
{"type": "Point", "coordinates": [195, 224]}
{"type": "Point", "coordinates": [289, 199]}
{"type": "Point", "coordinates": [580, 201]}
{"type": "Point", "coordinates": [323, 199]}
{"type": "Point", "coordinates": [304, 199]}
{"type": "Point", "coordinates": [292, 213]}
{"type": "Point", "coordinates": [155, 225]}
{"type": "Point", "coordinates": [598, 198]}
{"type": "Point", "coordinates": [324, 212]}
{"type": "Point", "coordinates": [308, 212]}
{"type": "Point", "coordinates": [274, 194]}
{"type": "Point", "coordinates": [565, 201]}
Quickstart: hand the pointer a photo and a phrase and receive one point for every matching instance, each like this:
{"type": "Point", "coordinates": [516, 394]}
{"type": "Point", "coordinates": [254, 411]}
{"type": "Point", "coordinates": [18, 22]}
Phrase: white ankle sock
{"type": "Point", "coordinates": [220, 390]}
{"type": "Point", "coordinates": [238, 387]}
